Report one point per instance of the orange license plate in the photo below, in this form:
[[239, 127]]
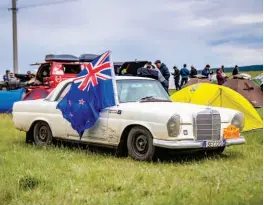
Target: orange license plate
[[231, 132]]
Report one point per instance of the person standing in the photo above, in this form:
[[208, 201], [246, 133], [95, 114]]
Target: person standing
[[176, 75], [220, 78], [161, 79], [223, 68], [6, 76], [184, 72], [148, 71], [223, 72], [165, 72], [193, 72], [206, 72], [235, 70]]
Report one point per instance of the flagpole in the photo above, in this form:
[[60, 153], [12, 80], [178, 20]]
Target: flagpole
[[114, 79]]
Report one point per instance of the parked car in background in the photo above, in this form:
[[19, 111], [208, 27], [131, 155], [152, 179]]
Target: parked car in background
[[145, 119], [55, 69], [15, 81], [128, 67]]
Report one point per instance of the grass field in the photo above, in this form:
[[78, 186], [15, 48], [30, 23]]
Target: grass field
[[252, 73], [64, 175]]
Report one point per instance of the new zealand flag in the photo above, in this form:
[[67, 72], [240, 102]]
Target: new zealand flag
[[91, 91]]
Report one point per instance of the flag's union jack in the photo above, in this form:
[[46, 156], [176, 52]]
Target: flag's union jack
[[94, 71]]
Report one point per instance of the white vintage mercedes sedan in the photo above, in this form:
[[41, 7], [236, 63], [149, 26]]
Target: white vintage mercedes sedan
[[145, 119]]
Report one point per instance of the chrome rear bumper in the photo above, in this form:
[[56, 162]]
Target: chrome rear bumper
[[192, 144]]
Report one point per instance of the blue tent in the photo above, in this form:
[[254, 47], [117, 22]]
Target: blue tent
[[8, 98]]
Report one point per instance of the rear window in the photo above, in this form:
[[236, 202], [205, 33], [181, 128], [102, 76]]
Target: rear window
[[71, 69]]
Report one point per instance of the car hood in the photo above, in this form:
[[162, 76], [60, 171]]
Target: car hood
[[160, 111]]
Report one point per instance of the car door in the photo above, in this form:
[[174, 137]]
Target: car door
[[58, 123], [96, 134], [55, 118]]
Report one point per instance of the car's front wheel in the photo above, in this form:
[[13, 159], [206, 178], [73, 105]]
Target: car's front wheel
[[140, 144], [42, 134]]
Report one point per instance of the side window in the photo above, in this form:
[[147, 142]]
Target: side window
[[44, 71], [72, 69], [123, 92], [64, 92]]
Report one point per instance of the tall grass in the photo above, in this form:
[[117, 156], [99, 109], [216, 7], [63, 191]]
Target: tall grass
[[64, 175]]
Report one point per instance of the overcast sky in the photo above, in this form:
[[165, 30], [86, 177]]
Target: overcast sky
[[195, 32]]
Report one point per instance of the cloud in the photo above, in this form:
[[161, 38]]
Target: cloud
[[247, 19], [245, 55], [176, 32]]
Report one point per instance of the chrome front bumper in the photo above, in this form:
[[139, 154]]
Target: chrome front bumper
[[192, 144]]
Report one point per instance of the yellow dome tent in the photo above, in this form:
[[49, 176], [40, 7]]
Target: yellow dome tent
[[220, 96]]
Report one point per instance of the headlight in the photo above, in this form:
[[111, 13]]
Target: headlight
[[173, 125], [238, 121]]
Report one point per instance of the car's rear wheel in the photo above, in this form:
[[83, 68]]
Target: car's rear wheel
[[42, 134], [140, 144]]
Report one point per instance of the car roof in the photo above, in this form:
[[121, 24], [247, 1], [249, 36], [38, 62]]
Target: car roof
[[55, 92], [116, 77]]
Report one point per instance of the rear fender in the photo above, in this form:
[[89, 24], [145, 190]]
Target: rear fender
[[33, 122]]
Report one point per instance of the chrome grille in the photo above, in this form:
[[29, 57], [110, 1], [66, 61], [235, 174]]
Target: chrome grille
[[208, 125]]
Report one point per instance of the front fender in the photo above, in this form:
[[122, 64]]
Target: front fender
[[158, 130]]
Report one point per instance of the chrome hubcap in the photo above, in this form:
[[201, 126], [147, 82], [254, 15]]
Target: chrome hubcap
[[141, 144], [43, 133]]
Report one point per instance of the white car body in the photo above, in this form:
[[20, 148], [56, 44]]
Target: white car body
[[115, 121]]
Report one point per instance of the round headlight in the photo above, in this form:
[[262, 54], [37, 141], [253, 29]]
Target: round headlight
[[238, 121], [173, 125]]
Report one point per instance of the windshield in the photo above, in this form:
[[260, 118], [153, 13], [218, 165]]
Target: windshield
[[134, 90]]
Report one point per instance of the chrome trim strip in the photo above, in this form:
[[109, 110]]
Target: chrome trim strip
[[186, 123], [237, 141], [192, 144]]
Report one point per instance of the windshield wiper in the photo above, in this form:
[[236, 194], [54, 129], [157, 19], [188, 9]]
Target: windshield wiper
[[153, 99], [146, 98]]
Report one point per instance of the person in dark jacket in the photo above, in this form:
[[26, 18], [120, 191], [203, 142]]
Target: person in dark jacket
[[148, 71], [184, 72], [235, 70], [223, 68], [176, 76], [206, 72], [193, 72], [165, 72], [6, 76]]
